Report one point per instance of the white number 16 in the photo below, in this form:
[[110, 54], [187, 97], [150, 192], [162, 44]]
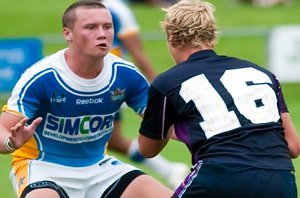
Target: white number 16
[[217, 117]]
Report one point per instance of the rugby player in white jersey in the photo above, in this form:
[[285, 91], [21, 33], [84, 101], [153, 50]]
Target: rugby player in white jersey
[[60, 115]]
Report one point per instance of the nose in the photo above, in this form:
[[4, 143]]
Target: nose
[[101, 33]]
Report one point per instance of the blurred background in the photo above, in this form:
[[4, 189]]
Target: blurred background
[[264, 32]]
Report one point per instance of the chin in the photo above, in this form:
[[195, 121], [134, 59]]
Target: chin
[[101, 53]]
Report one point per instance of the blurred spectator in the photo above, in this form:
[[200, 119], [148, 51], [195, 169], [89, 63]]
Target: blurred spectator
[[154, 2], [266, 3]]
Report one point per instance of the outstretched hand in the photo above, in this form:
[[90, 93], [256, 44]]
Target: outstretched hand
[[20, 133]]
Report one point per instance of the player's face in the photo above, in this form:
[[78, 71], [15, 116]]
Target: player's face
[[92, 33]]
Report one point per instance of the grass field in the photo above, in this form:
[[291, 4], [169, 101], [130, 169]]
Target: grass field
[[35, 18]]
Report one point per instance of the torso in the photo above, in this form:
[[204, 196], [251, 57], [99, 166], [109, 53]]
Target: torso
[[220, 106], [77, 113]]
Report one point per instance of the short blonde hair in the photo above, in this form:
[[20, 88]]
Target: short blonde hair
[[190, 23]]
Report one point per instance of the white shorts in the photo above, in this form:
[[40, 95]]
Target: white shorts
[[79, 182]]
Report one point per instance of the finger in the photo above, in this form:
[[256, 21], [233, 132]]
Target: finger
[[14, 134], [35, 123], [19, 125], [13, 131], [23, 121]]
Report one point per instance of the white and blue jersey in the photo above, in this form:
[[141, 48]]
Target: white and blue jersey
[[77, 113]]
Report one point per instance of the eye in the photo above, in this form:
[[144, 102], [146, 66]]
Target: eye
[[107, 26], [90, 27]]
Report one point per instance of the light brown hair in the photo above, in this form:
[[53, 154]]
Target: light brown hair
[[190, 23]]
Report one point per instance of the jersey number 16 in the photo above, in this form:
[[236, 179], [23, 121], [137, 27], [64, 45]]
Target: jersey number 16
[[217, 117]]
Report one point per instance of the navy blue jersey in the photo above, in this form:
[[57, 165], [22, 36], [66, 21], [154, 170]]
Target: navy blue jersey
[[224, 109]]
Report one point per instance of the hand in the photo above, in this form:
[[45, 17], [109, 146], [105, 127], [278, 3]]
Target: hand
[[20, 133]]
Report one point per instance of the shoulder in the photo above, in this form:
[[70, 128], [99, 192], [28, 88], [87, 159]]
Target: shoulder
[[51, 62], [170, 79], [120, 64], [112, 59], [247, 63], [46, 68]]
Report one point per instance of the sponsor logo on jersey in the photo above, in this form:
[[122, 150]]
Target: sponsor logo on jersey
[[117, 95], [104, 161], [58, 98], [89, 101], [77, 129]]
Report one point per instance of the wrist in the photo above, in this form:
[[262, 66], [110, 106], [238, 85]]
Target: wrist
[[8, 145]]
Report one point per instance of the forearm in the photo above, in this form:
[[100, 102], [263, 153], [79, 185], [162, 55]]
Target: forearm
[[7, 120], [5, 144], [119, 144], [291, 135], [150, 147]]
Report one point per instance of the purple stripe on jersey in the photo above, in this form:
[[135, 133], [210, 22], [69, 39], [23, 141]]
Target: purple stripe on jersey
[[181, 131], [281, 103], [188, 180]]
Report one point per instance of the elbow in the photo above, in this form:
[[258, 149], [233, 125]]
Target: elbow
[[294, 152], [294, 155], [294, 149], [147, 154], [148, 148]]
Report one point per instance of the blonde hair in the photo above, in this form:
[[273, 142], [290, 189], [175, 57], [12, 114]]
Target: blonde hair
[[190, 23]]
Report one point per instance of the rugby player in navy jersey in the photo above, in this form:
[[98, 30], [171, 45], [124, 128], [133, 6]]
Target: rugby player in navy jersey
[[229, 112]]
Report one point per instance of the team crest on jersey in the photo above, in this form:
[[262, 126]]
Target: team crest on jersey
[[117, 95], [58, 98]]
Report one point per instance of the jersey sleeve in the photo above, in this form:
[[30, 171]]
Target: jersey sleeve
[[281, 102], [25, 96], [137, 93], [158, 117]]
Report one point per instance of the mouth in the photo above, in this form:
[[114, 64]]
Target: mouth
[[102, 45]]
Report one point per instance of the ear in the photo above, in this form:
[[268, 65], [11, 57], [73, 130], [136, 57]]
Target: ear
[[67, 34]]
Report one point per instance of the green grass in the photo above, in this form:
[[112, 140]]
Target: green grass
[[42, 19]]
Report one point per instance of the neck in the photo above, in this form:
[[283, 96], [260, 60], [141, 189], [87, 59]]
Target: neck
[[187, 52], [190, 51], [84, 66]]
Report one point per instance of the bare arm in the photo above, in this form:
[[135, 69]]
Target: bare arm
[[133, 45], [291, 135], [151, 147], [13, 129], [118, 141]]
